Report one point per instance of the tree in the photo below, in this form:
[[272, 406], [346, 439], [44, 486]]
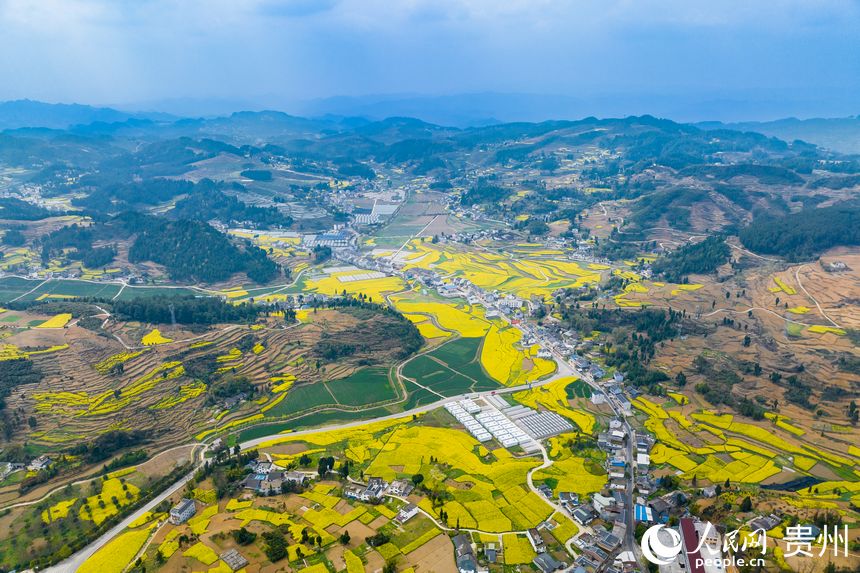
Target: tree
[[681, 379], [276, 545], [746, 504], [243, 537], [728, 484], [325, 465], [418, 478], [14, 238], [379, 538], [344, 538]]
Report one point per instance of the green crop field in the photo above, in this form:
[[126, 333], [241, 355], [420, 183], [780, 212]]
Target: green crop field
[[313, 420], [301, 398], [141, 291], [367, 386], [578, 389], [13, 287], [417, 396], [454, 368], [72, 288]]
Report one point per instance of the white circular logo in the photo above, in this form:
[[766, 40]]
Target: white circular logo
[[655, 550]]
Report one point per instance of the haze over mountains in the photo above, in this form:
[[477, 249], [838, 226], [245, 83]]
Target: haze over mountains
[[465, 110]]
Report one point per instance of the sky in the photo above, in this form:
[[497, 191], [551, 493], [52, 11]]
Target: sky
[[783, 55]]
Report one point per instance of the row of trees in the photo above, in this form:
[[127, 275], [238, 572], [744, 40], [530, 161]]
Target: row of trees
[[184, 310]]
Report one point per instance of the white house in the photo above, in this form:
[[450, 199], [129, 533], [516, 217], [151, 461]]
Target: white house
[[182, 511], [406, 513]]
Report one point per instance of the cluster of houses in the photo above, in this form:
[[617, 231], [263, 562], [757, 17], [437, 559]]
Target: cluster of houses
[[377, 488], [37, 464], [598, 551], [268, 479]]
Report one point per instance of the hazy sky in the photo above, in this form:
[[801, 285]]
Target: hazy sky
[[138, 51]]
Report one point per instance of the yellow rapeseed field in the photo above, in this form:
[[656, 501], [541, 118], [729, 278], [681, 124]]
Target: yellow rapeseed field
[[499, 358], [525, 275], [117, 554], [373, 288], [468, 321], [154, 338], [783, 287], [59, 510], [353, 562], [58, 321], [108, 363], [569, 470], [102, 504], [183, 393], [493, 495], [517, 549], [819, 329], [201, 553]]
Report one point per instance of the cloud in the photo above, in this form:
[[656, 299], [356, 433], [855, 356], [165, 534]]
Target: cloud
[[295, 8], [114, 51]]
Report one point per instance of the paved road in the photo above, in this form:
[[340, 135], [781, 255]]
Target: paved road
[[564, 369], [72, 563], [92, 478], [629, 541]]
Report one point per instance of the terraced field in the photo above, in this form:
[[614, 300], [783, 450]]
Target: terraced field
[[712, 447], [104, 385]]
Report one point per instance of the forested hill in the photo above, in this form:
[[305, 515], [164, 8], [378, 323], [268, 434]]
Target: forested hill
[[191, 251], [194, 251], [804, 235], [261, 169], [698, 258]]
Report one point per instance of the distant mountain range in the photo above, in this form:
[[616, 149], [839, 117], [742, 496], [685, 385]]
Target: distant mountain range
[[28, 113], [467, 110], [839, 134]]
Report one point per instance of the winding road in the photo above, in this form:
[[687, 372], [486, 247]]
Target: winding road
[[72, 563]]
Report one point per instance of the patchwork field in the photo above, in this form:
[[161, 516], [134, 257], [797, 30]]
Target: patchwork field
[[527, 273], [486, 490], [715, 447]]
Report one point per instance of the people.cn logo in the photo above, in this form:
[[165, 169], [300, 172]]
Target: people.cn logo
[[654, 548]]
